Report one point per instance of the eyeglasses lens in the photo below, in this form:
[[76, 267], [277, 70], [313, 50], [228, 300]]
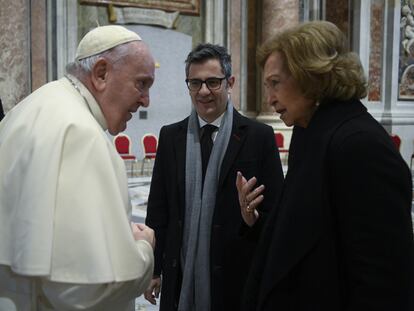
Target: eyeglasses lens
[[211, 83]]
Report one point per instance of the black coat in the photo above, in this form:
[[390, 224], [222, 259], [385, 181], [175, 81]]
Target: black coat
[[341, 238], [251, 150]]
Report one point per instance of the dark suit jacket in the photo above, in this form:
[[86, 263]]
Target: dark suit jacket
[[251, 150], [342, 238]]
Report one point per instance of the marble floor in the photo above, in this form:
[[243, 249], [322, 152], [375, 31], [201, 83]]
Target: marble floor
[[138, 191], [138, 188], [142, 305]]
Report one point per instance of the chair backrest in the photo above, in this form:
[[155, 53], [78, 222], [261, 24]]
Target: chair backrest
[[397, 141], [280, 140], [122, 144], [149, 144]]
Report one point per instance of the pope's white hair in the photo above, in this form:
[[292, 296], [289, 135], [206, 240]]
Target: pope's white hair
[[86, 65]]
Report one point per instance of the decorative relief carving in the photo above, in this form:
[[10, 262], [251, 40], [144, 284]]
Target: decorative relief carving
[[407, 25], [406, 66], [145, 16], [407, 82], [190, 7]]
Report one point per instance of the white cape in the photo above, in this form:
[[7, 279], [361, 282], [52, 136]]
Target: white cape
[[63, 192]]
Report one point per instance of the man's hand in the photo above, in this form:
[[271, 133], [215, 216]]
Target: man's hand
[[143, 232], [153, 290], [249, 199]]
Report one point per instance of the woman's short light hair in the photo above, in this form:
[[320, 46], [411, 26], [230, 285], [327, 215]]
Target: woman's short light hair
[[316, 56]]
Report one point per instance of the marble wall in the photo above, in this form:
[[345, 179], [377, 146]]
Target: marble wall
[[15, 68], [169, 98], [23, 51], [376, 48], [253, 17], [338, 12], [235, 50], [89, 16], [276, 15], [385, 45], [38, 47]]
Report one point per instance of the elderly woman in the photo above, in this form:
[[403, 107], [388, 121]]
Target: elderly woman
[[341, 235]]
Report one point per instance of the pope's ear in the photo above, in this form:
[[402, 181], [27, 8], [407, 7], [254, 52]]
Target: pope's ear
[[99, 74]]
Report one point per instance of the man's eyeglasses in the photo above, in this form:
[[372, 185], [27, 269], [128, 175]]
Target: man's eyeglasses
[[195, 85]]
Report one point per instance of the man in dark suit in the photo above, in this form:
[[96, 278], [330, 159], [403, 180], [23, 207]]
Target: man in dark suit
[[204, 240]]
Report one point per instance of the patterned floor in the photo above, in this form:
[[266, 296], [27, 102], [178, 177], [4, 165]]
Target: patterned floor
[[138, 190], [142, 305]]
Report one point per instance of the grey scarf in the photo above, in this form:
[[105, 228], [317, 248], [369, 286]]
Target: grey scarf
[[199, 209]]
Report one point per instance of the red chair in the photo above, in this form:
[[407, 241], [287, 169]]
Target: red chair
[[397, 141], [149, 145], [280, 143], [123, 145]]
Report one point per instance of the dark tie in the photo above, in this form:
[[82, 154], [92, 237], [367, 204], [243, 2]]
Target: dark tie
[[206, 143]]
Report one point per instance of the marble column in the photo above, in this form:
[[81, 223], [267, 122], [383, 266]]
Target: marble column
[[339, 13], [14, 52], [23, 60], [376, 50], [277, 15], [236, 49], [253, 24], [215, 22], [38, 34]]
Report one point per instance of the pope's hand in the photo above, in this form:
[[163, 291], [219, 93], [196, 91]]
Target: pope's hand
[[153, 290], [249, 198], [143, 232]]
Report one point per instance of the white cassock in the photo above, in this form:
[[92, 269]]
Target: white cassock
[[65, 238]]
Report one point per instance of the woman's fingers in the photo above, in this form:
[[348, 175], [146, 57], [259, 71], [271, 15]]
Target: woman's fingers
[[249, 197], [240, 181], [253, 204], [255, 193]]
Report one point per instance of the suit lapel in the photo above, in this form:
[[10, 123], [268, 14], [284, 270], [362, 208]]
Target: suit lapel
[[237, 138]]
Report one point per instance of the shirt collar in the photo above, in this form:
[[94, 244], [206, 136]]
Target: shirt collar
[[93, 105], [216, 122]]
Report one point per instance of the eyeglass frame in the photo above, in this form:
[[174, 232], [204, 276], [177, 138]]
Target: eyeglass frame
[[205, 82]]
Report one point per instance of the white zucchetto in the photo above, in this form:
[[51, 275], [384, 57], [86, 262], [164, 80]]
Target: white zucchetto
[[104, 38]]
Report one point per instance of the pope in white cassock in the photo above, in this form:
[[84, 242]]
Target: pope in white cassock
[[66, 242]]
